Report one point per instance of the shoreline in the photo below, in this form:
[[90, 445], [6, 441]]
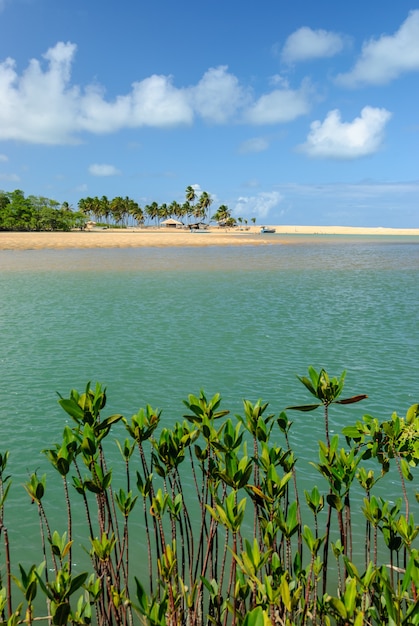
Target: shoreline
[[163, 237]]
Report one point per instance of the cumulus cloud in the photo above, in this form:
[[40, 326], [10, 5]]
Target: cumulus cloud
[[256, 144], [257, 206], [41, 105], [386, 58], [279, 106], [335, 139], [218, 95], [103, 169], [38, 106], [305, 44]]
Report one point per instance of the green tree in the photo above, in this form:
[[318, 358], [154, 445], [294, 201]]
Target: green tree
[[136, 212], [152, 211], [222, 214], [204, 204], [190, 194]]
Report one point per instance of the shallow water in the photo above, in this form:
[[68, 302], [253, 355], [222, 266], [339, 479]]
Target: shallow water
[[156, 324]]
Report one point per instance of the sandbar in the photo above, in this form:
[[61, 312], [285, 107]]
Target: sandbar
[[165, 237]]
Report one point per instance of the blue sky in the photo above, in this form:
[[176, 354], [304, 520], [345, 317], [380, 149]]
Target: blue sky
[[293, 112]]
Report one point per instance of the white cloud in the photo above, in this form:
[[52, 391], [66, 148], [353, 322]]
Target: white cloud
[[156, 102], [335, 139], [218, 95], [257, 144], [42, 106], [103, 169], [279, 106], [3, 158], [38, 107], [257, 206], [305, 44], [384, 59]]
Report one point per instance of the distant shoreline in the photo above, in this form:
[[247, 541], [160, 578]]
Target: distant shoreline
[[165, 237]]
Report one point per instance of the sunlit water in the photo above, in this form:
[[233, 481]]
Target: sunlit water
[[154, 325]]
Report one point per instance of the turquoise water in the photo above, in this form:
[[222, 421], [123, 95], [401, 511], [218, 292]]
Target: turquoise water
[[154, 325]]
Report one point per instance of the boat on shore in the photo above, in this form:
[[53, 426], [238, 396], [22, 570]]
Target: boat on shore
[[266, 229]]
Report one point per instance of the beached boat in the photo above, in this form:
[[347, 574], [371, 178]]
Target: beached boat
[[267, 229]]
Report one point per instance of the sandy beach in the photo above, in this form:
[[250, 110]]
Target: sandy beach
[[151, 237]]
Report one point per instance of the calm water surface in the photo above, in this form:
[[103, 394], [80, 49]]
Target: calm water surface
[[154, 325]]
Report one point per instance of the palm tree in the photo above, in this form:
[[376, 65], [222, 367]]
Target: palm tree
[[105, 208], [190, 194], [152, 211], [97, 208], [176, 210], [222, 215], [164, 211], [86, 206], [117, 209], [205, 202], [136, 212], [187, 210]]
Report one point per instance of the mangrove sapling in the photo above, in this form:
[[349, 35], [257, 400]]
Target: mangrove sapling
[[396, 439], [5, 484], [141, 429], [327, 390], [257, 426], [35, 489], [27, 582], [367, 481], [91, 430], [126, 502], [265, 577], [61, 458], [284, 425], [203, 413]]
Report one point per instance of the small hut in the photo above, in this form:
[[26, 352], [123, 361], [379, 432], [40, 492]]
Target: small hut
[[171, 223]]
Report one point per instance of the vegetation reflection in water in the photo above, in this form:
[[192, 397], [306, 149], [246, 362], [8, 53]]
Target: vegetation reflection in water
[[217, 569]]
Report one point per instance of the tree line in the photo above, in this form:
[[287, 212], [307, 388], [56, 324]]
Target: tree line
[[37, 213]]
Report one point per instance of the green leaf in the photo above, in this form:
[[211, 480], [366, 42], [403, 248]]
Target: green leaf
[[77, 582], [285, 593], [404, 466], [141, 597], [60, 614], [339, 607], [72, 408], [303, 407], [63, 466], [334, 501], [113, 419], [350, 596], [412, 413], [256, 617]]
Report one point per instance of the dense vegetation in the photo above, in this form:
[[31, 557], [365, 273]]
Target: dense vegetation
[[247, 548], [33, 213]]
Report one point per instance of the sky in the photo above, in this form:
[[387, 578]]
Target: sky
[[292, 112]]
